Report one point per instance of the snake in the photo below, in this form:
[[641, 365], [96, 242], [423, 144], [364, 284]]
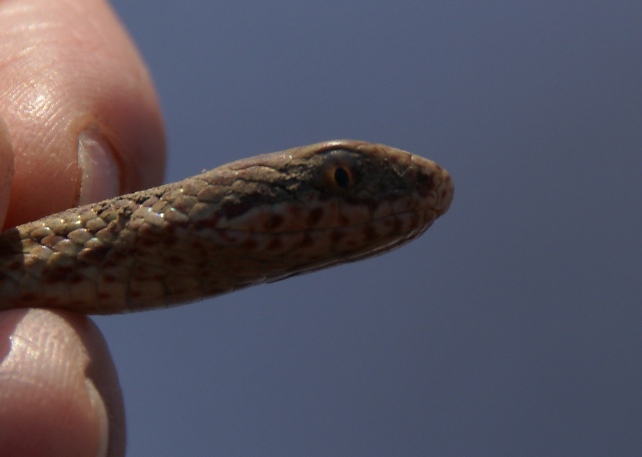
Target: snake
[[253, 221]]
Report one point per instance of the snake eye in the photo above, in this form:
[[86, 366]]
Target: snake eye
[[341, 177], [340, 170]]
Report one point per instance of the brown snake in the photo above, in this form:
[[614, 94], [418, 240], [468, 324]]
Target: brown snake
[[248, 222]]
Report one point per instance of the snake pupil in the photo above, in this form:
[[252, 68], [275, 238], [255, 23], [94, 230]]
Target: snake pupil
[[341, 177]]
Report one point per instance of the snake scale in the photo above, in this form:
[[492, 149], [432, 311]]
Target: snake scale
[[252, 221]]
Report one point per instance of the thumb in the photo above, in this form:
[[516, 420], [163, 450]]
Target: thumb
[[79, 106]]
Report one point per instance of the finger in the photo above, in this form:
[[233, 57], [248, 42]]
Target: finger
[[79, 106], [59, 392]]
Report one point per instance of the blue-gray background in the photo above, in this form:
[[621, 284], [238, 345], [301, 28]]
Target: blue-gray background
[[513, 327]]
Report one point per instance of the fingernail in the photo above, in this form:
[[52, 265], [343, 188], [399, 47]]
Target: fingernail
[[103, 422], [99, 168], [6, 169]]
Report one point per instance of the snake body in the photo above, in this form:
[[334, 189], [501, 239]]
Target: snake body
[[251, 221]]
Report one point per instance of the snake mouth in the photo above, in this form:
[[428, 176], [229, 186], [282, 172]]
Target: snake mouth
[[433, 184], [445, 192]]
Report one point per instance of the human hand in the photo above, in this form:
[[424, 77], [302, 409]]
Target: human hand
[[81, 124]]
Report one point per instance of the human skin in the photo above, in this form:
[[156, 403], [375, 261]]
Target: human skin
[[80, 122]]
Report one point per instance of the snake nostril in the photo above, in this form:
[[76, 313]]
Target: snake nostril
[[425, 180]]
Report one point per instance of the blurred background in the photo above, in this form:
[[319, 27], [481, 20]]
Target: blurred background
[[513, 327]]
